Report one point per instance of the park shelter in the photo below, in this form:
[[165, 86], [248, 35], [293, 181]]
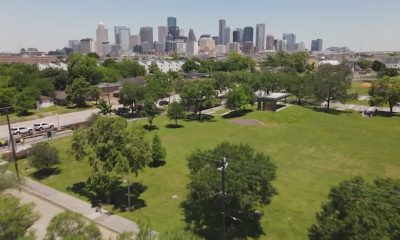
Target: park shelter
[[270, 101]]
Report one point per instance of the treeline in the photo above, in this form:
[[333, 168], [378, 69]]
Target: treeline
[[22, 84]]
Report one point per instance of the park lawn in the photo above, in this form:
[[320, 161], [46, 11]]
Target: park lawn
[[361, 88], [313, 151]]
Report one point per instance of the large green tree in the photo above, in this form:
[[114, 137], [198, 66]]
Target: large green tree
[[113, 150], [69, 225], [190, 66], [331, 83], [385, 90], [199, 95], [151, 111], [359, 210], [158, 152], [15, 218], [248, 185], [78, 92], [81, 66]]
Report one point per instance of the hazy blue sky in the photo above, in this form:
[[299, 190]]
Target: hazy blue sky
[[48, 24]]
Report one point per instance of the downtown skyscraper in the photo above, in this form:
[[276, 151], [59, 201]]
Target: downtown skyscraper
[[248, 34], [122, 38], [102, 44], [316, 45], [260, 37], [222, 25]]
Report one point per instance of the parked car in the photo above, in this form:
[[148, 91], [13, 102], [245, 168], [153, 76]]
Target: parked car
[[42, 126], [21, 130]]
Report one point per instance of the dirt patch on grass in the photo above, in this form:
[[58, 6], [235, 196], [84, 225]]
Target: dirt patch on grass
[[247, 122], [366, 85]]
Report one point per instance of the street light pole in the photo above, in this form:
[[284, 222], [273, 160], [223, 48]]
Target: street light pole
[[12, 143], [129, 194], [223, 193]]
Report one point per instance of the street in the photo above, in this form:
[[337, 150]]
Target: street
[[62, 120]]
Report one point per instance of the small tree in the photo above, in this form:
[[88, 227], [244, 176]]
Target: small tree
[[104, 107], [78, 91], [385, 90], [69, 225], [151, 111], [239, 97], [331, 83], [43, 156], [95, 93], [158, 152], [176, 111], [15, 218]]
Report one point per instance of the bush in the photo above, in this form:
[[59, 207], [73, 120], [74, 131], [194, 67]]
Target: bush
[[43, 156]]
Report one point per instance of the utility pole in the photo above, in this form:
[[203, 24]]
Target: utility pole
[[223, 193], [12, 143]]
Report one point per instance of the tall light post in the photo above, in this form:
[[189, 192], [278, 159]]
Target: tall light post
[[223, 193], [12, 142], [129, 194]]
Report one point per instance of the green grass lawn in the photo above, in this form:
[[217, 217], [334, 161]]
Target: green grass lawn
[[361, 88], [313, 151]]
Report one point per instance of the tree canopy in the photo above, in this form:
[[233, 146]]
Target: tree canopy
[[69, 225], [359, 210], [15, 218], [249, 177], [385, 90]]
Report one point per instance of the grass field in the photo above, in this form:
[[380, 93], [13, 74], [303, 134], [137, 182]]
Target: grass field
[[313, 151]]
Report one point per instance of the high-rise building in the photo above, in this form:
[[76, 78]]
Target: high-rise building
[[146, 35], [270, 42], [135, 40], [236, 36], [181, 32], [222, 25], [171, 22], [191, 36], [220, 49], [180, 46], [122, 35], [290, 38], [281, 45], [248, 48], [216, 40], [316, 45], [87, 45], [226, 36], [162, 33], [74, 45], [206, 45], [174, 31], [260, 37], [192, 48], [248, 34], [101, 38]]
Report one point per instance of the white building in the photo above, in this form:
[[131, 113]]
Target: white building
[[221, 49], [59, 65], [233, 47], [180, 47], [206, 45], [163, 65]]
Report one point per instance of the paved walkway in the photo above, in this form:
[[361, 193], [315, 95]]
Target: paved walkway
[[359, 108], [114, 223], [47, 211]]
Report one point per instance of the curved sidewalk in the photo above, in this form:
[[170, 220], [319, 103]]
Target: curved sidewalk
[[114, 223]]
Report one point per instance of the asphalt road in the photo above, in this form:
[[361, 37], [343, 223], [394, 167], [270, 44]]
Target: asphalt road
[[62, 119]]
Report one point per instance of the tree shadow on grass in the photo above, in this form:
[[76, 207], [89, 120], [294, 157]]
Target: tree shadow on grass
[[205, 220], [234, 114], [203, 118], [330, 111], [45, 173], [118, 198], [386, 114], [156, 164], [174, 126], [150, 128]]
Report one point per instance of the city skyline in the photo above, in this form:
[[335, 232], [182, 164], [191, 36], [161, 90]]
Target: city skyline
[[48, 28]]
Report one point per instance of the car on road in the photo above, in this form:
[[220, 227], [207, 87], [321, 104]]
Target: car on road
[[42, 126], [21, 130]]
